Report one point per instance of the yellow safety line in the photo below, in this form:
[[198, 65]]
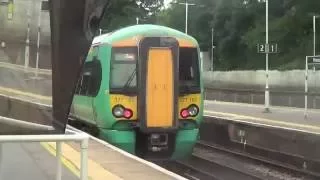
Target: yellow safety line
[[71, 159], [22, 68], [10, 90], [238, 116], [71, 166]]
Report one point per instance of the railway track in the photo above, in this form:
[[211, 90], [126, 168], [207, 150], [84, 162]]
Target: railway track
[[251, 166], [286, 165], [202, 165], [214, 162], [187, 170]]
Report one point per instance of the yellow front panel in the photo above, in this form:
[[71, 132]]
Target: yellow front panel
[[160, 92], [185, 101], [126, 101]]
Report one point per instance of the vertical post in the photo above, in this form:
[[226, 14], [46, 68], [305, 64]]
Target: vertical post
[[137, 19], [205, 95], [187, 7], [314, 39], [306, 89], [251, 95], [27, 50], [212, 49], [38, 43], [58, 157], [267, 60], [100, 31], [314, 35], [84, 159]]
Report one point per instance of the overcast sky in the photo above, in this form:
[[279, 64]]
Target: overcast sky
[[166, 2]]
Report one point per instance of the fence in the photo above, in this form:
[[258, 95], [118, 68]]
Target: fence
[[277, 98]]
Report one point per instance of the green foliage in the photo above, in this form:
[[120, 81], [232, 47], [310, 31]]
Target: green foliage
[[239, 25], [121, 13]]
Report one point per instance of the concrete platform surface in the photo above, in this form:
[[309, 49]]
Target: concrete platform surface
[[29, 161], [279, 117]]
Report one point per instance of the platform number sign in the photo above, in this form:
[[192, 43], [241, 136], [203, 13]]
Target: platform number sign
[[267, 48], [316, 60]]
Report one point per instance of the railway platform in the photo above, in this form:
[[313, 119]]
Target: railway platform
[[38, 161], [29, 161], [283, 135], [287, 118]]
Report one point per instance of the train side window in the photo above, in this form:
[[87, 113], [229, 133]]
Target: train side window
[[85, 83], [90, 81], [78, 86]]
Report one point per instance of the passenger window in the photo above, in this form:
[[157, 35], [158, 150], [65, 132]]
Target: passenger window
[[90, 80]]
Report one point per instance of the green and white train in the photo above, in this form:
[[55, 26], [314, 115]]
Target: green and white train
[[141, 89]]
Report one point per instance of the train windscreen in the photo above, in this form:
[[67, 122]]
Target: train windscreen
[[189, 76], [123, 69]]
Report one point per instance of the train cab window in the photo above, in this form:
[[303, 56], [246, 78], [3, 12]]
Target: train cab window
[[90, 80], [189, 69], [123, 69]]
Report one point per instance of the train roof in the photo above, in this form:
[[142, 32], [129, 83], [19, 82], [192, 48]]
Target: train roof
[[142, 30]]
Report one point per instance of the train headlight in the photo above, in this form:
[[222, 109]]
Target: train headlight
[[184, 113], [127, 113], [193, 110], [118, 111]]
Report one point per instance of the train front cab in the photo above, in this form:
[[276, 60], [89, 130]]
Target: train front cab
[[156, 88]]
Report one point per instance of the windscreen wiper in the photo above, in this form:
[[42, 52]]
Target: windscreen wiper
[[130, 79]]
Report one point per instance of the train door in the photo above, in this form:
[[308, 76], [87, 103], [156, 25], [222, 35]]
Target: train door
[[89, 85], [158, 64]]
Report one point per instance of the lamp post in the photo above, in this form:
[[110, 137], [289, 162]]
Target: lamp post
[[38, 43], [267, 98], [27, 49], [314, 52], [314, 34], [314, 38], [187, 8], [212, 47]]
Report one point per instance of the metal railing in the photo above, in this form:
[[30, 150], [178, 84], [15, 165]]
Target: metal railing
[[70, 135], [256, 96]]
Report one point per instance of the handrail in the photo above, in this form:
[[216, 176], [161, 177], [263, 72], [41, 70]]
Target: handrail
[[70, 135]]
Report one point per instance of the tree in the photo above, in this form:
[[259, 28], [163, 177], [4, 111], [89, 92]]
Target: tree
[[239, 25], [121, 13]]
